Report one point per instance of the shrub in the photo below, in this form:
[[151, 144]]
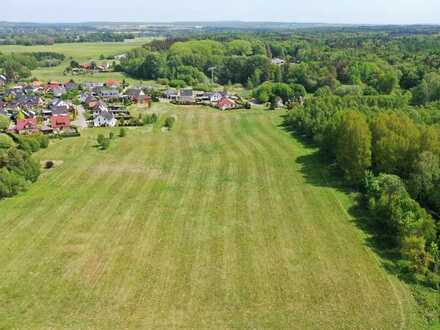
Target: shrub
[[100, 139], [122, 132], [105, 144], [34, 144], [49, 164], [5, 141], [177, 83], [150, 119], [44, 141], [11, 183], [169, 122], [433, 280], [163, 81], [4, 123], [111, 135]]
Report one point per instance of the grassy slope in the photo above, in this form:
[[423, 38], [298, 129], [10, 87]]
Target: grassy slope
[[216, 223], [81, 52]]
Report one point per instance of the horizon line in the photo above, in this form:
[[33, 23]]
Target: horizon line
[[218, 21]]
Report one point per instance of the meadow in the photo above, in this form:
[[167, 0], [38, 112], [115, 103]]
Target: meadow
[[226, 221], [82, 53]]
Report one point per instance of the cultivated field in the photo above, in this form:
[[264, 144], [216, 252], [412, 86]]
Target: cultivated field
[[81, 52], [224, 222]]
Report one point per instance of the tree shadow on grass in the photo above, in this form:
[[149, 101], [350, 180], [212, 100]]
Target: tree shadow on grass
[[319, 171]]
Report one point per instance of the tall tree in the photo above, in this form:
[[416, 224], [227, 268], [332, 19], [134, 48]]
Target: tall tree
[[353, 151]]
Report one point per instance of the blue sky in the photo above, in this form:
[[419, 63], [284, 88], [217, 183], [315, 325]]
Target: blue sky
[[325, 11]]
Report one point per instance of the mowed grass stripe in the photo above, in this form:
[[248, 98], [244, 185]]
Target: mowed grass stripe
[[144, 307], [169, 228], [245, 292], [265, 224]]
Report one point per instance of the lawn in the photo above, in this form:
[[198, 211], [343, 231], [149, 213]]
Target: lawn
[[81, 52], [223, 222]]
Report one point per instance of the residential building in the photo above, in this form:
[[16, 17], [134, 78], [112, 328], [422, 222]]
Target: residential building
[[60, 119], [226, 104], [104, 119]]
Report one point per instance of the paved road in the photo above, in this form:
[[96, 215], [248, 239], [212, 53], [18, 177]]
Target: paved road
[[81, 119]]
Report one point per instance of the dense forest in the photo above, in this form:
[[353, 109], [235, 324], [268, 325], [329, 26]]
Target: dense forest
[[336, 63]]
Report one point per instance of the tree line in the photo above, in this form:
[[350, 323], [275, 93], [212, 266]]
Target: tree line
[[391, 154], [17, 167], [18, 66]]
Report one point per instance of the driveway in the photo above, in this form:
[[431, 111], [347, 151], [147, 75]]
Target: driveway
[[81, 118]]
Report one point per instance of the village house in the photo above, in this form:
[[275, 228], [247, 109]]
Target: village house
[[104, 119], [209, 97], [91, 102], [137, 95], [16, 91], [226, 104], [89, 86], [171, 94], [58, 91], [60, 119], [51, 85], [70, 86], [112, 84], [99, 106], [109, 93], [186, 96], [26, 102], [59, 103], [86, 66], [27, 124]]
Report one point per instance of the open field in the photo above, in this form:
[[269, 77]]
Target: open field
[[224, 222], [81, 52]]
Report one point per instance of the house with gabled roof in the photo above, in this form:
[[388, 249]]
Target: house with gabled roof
[[26, 122], [70, 86], [226, 104], [137, 95], [104, 119], [112, 83], [109, 93], [60, 119]]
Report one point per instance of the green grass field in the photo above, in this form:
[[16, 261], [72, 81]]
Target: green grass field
[[81, 52], [224, 222]]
